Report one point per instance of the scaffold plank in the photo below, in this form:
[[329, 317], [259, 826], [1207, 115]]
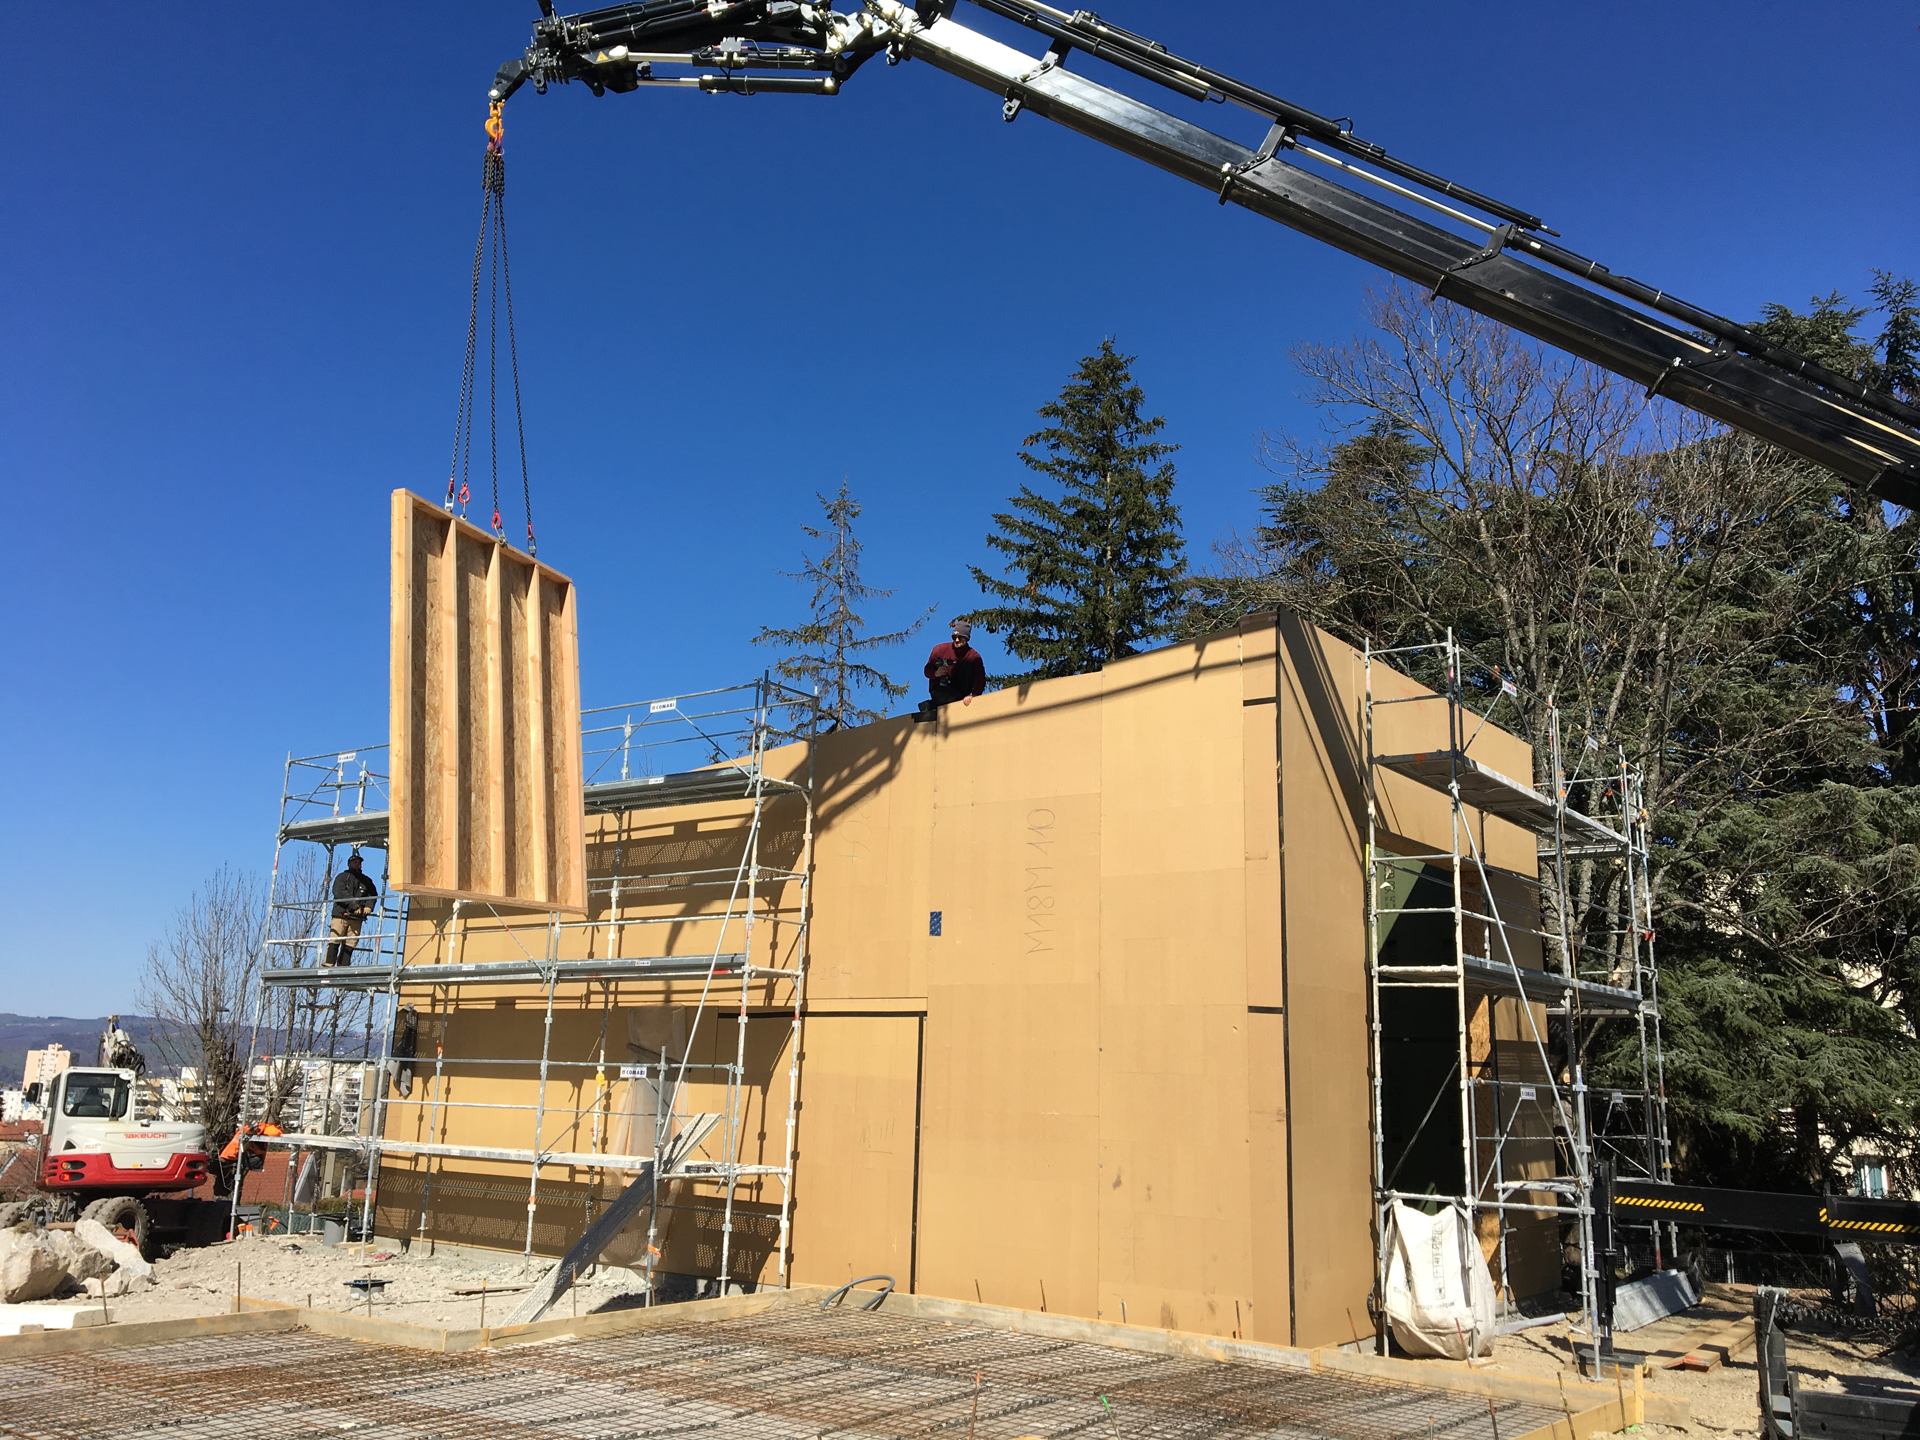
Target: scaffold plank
[[735, 781], [638, 967], [1492, 793], [487, 790]]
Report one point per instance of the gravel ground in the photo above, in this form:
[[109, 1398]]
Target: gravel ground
[[1725, 1401], [300, 1270]]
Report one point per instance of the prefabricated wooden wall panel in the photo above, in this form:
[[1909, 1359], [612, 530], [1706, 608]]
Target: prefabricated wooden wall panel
[[485, 715]]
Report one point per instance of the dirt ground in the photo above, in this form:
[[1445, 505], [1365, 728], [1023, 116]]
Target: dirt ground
[[1725, 1400], [419, 1287]]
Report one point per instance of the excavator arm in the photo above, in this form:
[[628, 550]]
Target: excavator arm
[[1308, 172]]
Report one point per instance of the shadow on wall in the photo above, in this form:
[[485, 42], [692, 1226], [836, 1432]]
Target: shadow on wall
[[849, 765]]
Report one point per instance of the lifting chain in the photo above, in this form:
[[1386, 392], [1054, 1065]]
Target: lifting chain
[[490, 246]]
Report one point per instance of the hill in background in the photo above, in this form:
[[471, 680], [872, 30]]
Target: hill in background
[[21, 1033]]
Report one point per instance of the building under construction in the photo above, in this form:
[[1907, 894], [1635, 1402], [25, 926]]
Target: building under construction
[[1137, 995]]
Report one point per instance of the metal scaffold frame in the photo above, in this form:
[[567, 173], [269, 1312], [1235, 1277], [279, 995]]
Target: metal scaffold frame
[[709, 749], [1563, 956]]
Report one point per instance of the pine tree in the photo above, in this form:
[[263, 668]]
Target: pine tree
[[1898, 371], [1094, 566], [824, 653]]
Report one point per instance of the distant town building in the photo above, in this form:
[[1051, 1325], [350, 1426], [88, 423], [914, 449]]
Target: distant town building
[[13, 1105], [317, 1096], [159, 1097], [44, 1065]]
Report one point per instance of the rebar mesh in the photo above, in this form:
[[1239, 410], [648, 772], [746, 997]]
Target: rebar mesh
[[790, 1374]]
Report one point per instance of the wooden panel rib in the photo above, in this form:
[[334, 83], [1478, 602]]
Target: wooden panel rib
[[449, 813], [574, 838], [480, 815], [539, 842], [402, 832], [521, 777], [429, 700], [567, 863], [500, 833]]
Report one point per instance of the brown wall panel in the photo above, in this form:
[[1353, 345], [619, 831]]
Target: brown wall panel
[[855, 1173], [484, 714], [1328, 1099]]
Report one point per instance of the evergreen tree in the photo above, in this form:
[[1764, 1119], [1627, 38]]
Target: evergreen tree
[[1898, 371], [1094, 566], [824, 653]]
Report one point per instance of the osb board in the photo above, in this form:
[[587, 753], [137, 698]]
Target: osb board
[[1085, 1145], [1260, 810], [873, 863], [859, 1123], [1329, 1110], [1175, 1179], [484, 717], [1269, 1199]]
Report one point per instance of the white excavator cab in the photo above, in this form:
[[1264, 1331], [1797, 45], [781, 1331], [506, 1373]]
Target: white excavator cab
[[95, 1146]]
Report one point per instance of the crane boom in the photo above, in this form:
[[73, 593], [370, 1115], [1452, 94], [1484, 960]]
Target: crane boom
[[1479, 252]]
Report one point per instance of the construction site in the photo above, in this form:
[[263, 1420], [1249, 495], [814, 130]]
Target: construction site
[[1254, 1034]]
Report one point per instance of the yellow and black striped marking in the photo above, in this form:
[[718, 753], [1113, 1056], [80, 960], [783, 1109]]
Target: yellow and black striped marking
[[1868, 1227], [1647, 1202]]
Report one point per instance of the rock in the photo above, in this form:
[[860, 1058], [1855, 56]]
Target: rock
[[82, 1261], [32, 1271], [94, 1236]]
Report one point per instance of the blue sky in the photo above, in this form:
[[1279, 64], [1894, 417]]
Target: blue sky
[[236, 255]]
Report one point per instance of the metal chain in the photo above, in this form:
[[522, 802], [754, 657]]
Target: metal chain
[[493, 223], [513, 359], [493, 358], [463, 402]]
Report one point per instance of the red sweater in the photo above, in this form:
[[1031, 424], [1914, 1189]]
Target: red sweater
[[967, 677]]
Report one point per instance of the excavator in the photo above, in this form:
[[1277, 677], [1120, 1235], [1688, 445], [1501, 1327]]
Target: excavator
[[1308, 171], [97, 1160]]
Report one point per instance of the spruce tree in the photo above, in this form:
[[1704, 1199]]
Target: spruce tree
[[1094, 564], [824, 652]]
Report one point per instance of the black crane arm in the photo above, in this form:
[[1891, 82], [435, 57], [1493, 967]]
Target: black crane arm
[[1502, 261]]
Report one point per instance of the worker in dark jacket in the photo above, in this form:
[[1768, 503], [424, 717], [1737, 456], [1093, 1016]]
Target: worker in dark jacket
[[954, 671], [353, 896]]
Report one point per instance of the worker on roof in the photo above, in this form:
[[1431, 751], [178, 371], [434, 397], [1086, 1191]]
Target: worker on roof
[[954, 671], [353, 896]]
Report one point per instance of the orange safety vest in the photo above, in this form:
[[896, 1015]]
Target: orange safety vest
[[232, 1150]]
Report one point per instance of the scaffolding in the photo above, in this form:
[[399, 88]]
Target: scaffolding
[[1493, 991], [707, 749]]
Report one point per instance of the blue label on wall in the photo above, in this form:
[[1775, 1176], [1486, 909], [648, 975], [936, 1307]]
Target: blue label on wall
[[933, 922]]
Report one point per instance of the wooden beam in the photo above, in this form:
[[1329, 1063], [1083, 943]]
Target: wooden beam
[[499, 878], [539, 844], [402, 742], [149, 1332], [450, 812]]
